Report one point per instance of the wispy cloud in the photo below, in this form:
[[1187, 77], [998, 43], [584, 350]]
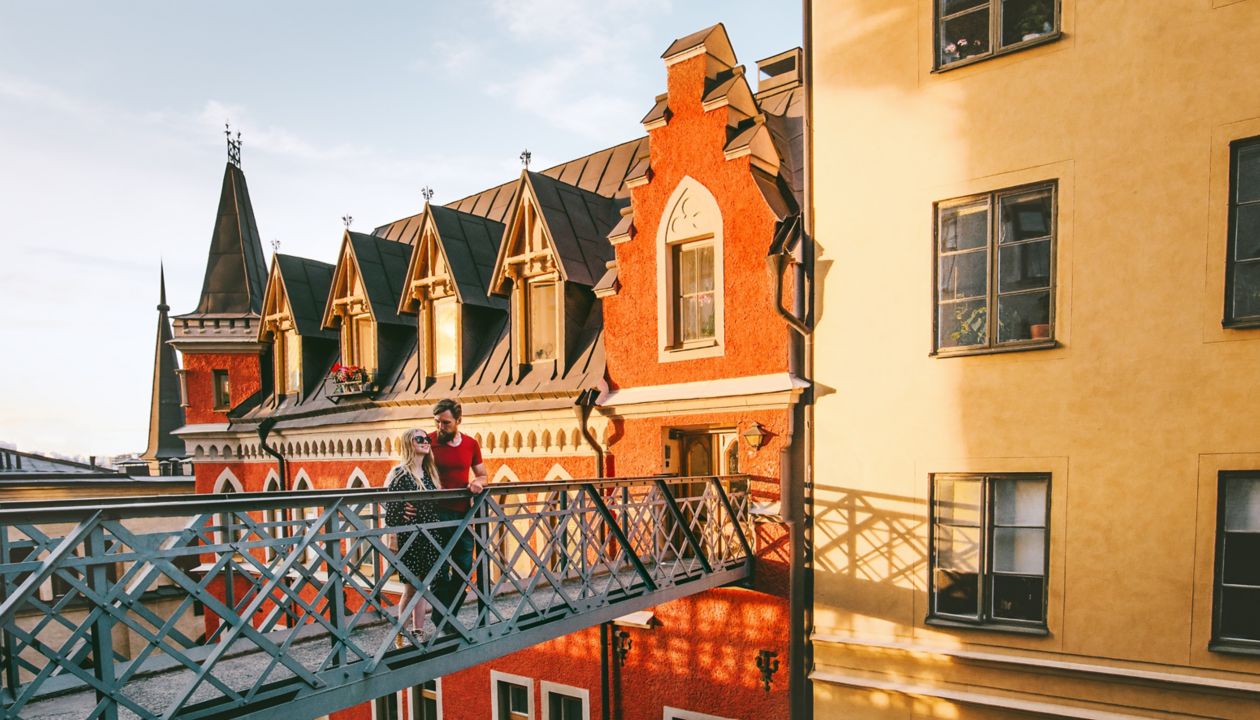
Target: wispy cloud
[[273, 139], [29, 92]]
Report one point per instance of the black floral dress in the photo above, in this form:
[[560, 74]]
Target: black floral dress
[[422, 554]]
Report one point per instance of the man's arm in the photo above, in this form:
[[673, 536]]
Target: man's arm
[[478, 483]]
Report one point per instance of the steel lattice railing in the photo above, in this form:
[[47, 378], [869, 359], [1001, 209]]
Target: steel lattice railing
[[226, 605]]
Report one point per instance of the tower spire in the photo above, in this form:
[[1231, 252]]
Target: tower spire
[[165, 412]]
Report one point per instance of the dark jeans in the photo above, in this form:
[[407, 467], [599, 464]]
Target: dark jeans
[[449, 585]]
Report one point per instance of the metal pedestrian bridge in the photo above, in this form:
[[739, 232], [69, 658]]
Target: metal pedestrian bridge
[[235, 605]]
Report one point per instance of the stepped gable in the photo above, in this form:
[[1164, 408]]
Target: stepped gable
[[236, 271], [306, 285], [166, 414]]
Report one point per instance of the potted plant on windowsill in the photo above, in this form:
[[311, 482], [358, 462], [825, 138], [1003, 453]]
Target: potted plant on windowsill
[[960, 49], [1035, 22], [349, 380]]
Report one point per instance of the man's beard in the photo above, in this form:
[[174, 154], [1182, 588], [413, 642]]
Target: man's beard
[[445, 437]]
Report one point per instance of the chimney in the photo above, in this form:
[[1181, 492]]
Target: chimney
[[779, 70], [92, 460]]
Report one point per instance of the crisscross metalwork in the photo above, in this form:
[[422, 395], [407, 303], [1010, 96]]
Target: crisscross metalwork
[[229, 605]]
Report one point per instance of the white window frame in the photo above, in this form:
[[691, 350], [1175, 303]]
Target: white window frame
[[672, 713], [547, 688], [412, 704], [495, 678], [397, 704], [692, 215]]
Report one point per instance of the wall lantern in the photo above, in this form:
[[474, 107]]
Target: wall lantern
[[756, 436], [621, 645], [768, 664]]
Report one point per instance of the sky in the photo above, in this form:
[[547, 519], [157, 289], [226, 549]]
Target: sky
[[112, 151]]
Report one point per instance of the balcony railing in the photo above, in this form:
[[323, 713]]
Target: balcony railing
[[271, 598]]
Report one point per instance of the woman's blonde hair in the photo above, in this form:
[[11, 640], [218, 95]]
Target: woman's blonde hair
[[407, 453]]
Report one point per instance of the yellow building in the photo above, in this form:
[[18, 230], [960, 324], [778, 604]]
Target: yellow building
[[1037, 346]]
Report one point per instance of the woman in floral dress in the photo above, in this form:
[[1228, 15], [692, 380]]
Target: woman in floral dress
[[417, 471]]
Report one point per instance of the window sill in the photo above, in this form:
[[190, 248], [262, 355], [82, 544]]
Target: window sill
[[1247, 324], [1008, 50], [1022, 347], [694, 345], [1038, 631], [1234, 647]]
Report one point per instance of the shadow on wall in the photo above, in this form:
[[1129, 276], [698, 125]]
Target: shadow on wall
[[873, 548]]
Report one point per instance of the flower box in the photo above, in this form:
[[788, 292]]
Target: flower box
[[348, 381]]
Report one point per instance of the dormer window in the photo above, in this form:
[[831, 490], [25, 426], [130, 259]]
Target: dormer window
[[541, 311], [286, 343], [444, 335], [350, 310], [432, 296]]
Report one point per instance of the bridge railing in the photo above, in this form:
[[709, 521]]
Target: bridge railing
[[210, 605]]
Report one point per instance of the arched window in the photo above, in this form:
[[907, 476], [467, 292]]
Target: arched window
[[358, 550], [273, 519], [689, 275], [310, 514]]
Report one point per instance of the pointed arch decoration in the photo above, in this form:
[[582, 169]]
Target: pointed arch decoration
[[358, 479], [227, 482], [557, 472], [505, 474], [272, 482], [302, 481], [546, 440]]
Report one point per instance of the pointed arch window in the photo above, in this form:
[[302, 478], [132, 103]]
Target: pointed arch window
[[351, 310], [690, 275], [432, 296]]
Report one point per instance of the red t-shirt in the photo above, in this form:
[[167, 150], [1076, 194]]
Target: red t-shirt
[[454, 465]]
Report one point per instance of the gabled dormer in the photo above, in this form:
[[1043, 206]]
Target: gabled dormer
[[555, 249], [362, 303], [446, 288], [297, 289]]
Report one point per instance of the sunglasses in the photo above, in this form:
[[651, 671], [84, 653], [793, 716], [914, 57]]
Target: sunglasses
[[422, 439]]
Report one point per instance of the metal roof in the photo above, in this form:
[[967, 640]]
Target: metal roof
[[306, 284], [236, 271], [165, 411]]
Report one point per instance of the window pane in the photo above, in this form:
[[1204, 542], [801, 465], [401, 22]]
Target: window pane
[[1019, 550], [444, 336], [293, 362], [1248, 180], [1239, 619], [1240, 563], [1246, 289], [965, 36], [687, 274], [1242, 504], [1247, 232], [542, 321], [962, 324], [965, 275], [1024, 317], [958, 548], [704, 262], [1024, 267], [519, 698], [965, 226], [1019, 502], [957, 502], [1026, 216], [1018, 598], [949, 7], [1026, 19], [957, 593]]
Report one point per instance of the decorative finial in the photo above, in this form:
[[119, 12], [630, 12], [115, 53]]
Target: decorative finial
[[233, 145], [275, 245], [427, 192], [525, 156], [347, 220]]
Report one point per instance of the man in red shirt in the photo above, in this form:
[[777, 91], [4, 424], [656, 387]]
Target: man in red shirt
[[457, 456]]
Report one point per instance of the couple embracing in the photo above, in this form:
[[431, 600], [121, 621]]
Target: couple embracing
[[444, 459]]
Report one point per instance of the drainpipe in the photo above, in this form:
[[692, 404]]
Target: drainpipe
[[585, 402], [264, 429]]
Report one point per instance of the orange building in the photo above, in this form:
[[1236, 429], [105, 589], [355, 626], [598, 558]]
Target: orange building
[[634, 312]]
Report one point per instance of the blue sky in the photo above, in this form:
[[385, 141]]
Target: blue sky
[[112, 152]]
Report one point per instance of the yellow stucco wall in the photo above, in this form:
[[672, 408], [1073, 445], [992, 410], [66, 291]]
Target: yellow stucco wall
[[1146, 398]]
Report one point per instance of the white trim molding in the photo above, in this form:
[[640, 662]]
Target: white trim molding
[[546, 688], [692, 216], [227, 477], [495, 678]]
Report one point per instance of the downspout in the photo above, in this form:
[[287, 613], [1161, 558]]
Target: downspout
[[264, 429], [803, 623], [585, 402]]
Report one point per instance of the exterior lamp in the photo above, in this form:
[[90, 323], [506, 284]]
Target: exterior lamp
[[756, 436]]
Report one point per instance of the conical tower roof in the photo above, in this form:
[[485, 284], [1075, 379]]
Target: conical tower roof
[[236, 271], [165, 413]]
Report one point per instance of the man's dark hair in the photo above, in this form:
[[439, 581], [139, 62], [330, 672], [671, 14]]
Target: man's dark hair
[[448, 404]]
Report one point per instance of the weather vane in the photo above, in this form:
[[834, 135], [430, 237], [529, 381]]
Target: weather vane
[[347, 219], [525, 156], [427, 192], [234, 145], [275, 245]]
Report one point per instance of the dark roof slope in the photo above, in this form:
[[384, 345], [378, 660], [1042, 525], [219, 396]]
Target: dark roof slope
[[470, 244], [307, 283], [579, 222], [383, 267], [236, 272]]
